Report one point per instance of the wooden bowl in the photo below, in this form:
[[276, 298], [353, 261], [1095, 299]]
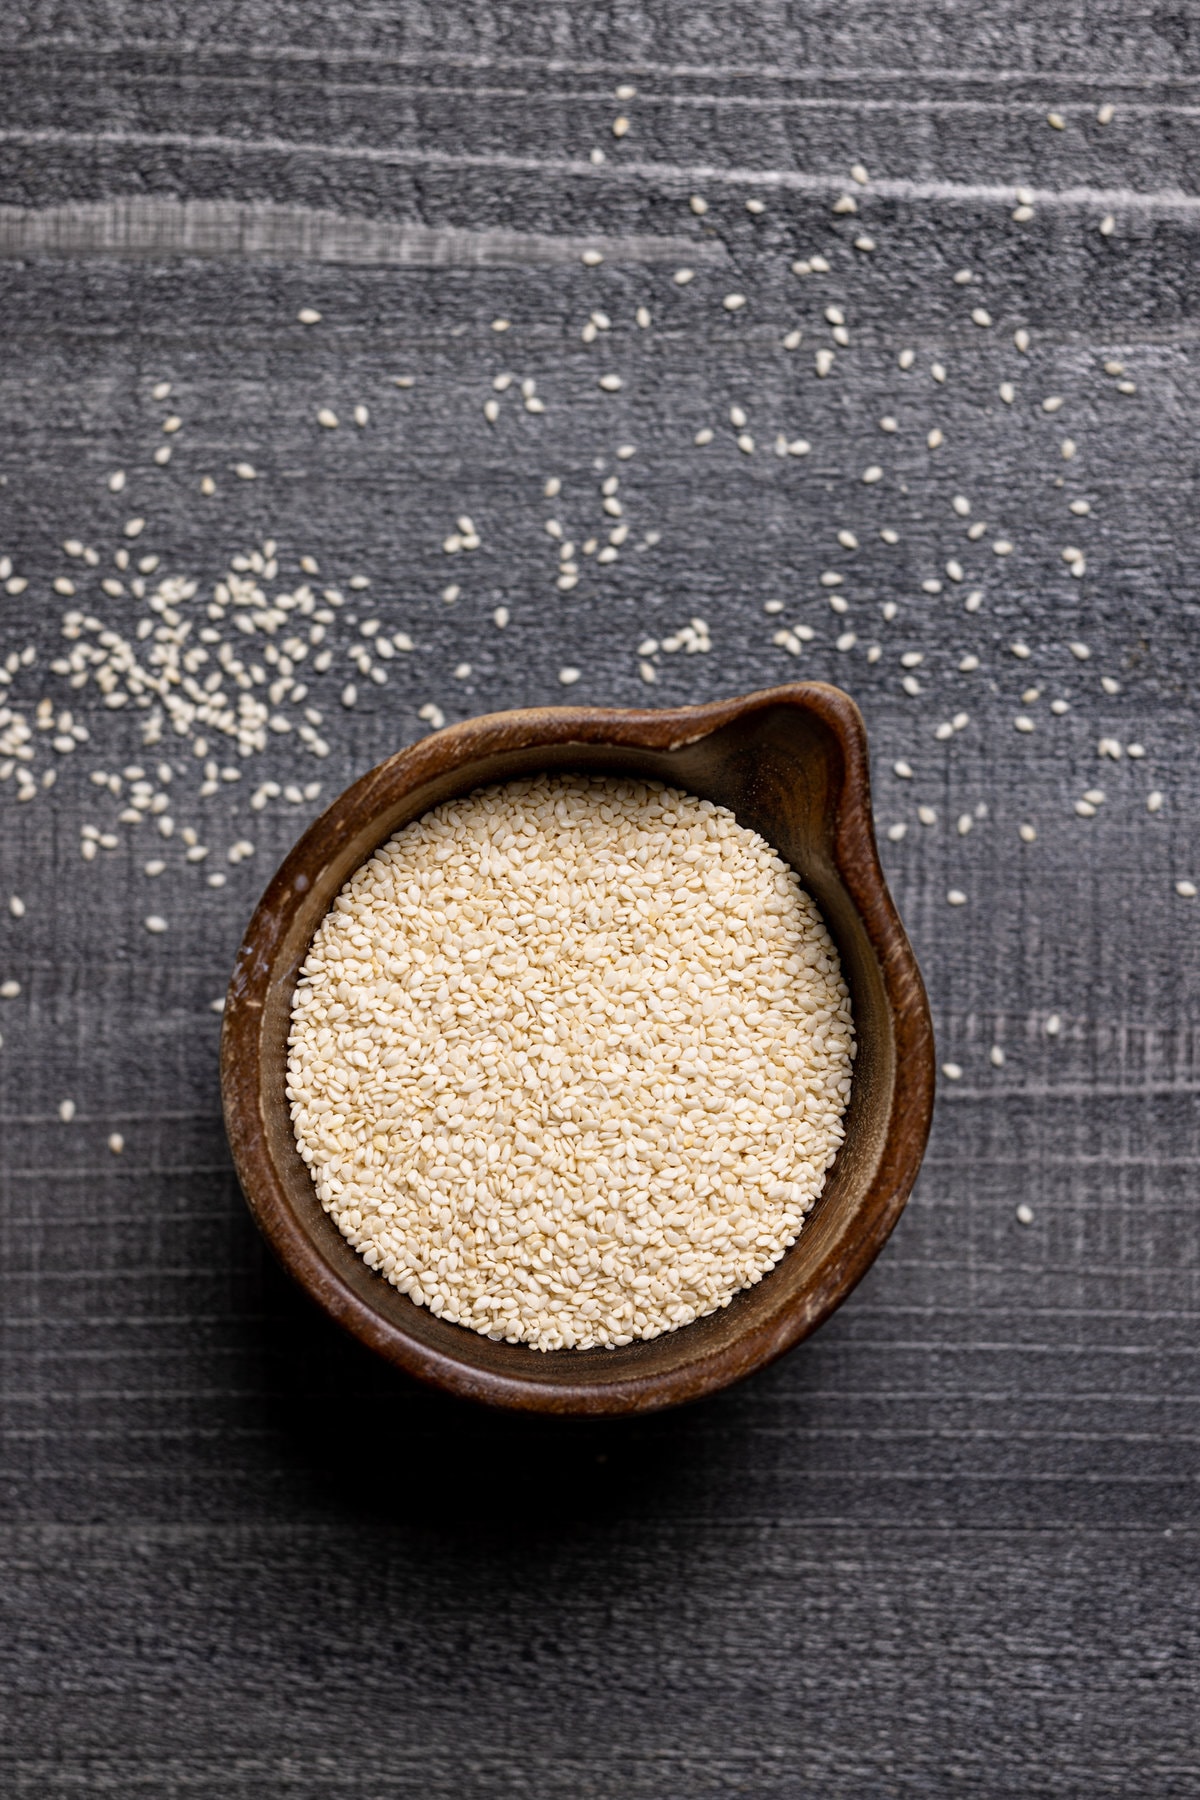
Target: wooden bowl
[[791, 763]]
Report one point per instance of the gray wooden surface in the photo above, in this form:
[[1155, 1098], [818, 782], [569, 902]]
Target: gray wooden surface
[[949, 1546]]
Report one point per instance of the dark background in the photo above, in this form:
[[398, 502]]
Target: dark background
[[947, 1547]]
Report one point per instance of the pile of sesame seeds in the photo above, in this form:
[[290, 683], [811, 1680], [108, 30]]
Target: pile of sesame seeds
[[569, 1060]]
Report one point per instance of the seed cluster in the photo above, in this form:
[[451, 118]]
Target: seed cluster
[[569, 1060]]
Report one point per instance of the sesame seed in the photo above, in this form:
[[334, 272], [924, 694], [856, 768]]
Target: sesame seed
[[996, 1056], [1027, 834], [66, 1111], [952, 1071], [520, 1211], [1056, 120], [1154, 801], [568, 676], [116, 1142], [1104, 114], [956, 897], [156, 924], [1186, 890], [1024, 1213], [733, 302], [308, 315]]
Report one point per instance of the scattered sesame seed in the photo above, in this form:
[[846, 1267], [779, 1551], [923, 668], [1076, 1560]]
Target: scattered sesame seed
[[956, 897], [1024, 1213], [116, 1142], [1104, 114], [156, 924], [308, 315], [996, 1056], [1056, 120], [66, 1111], [1027, 834], [568, 676], [952, 1071], [1186, 890]]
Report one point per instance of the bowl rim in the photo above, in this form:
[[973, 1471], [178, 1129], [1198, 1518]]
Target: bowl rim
[[856, 860]]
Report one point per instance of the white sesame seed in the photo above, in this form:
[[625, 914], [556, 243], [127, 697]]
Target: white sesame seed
[[308, 315], [620, 126], [1186, 890], [156, 924], [1027, 834], [936, 438], [1154, 801], [66, 1111], [116, 1142], [681, 277], [1079, 651], [906, 359], [1104, 114], [903, 770], [698, 205], [1008, 392], [1107, 225], [733, 302], [610, 383], [956, 897], [1024, 1213], [996, 1056], [1056, 120], [568, 676], [703, 436], [897, 831], [952, 1071], [394, 1210], [871, 474], [980, 316]]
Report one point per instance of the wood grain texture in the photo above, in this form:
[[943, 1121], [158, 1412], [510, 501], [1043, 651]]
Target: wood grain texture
[[948, 1547]]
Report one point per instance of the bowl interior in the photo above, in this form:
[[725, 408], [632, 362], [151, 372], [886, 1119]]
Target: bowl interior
[[782, 770]]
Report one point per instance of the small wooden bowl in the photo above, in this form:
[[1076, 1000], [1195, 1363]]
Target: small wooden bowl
[[791, 763]]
